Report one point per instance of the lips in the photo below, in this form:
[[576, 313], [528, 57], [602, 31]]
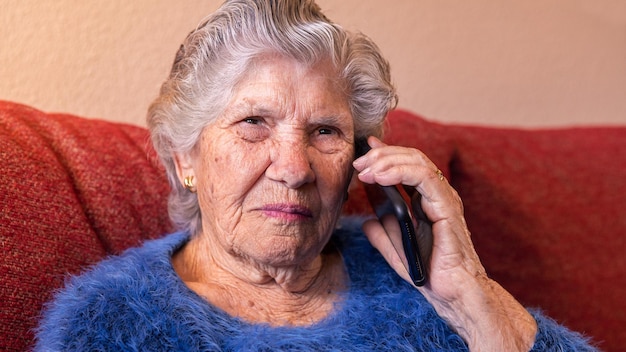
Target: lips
[[287, 211]]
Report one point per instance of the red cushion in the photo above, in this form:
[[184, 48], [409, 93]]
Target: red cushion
[[73, 191], [546, 210]]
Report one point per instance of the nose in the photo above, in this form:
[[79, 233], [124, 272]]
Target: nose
[[291, 165]]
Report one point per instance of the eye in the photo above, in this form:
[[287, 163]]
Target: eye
[[252, 120], [252, 128], [326, 131]]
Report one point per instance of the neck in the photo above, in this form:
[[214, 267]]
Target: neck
[[299, 294]]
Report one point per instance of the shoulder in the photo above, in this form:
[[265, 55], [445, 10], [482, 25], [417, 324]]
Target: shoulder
[[152, 256], [552, 336], [115, 287]]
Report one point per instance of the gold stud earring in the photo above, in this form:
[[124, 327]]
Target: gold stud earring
[[188, 183]]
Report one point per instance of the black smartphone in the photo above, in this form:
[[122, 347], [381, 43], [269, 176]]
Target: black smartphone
[[396, 217]]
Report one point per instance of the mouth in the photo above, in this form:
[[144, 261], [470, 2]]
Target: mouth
[[288, 212]]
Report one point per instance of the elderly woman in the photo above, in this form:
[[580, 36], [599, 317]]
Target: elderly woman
[[256, 127]]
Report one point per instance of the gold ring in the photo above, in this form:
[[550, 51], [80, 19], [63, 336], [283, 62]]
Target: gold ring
[[440, 174]]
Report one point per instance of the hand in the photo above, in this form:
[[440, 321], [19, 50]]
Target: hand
[[390, 165], [480, 310]]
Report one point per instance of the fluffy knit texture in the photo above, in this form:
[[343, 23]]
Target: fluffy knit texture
[[136, 302]]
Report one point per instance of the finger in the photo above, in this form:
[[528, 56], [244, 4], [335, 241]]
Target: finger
[[389, 165], [375, 142], [361, 162], [409, 167]]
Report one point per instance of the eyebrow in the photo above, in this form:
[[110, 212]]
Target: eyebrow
[[251, 107], [260, 108], [333, 120]]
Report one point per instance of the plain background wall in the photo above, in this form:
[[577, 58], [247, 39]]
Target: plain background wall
[[515, 63]]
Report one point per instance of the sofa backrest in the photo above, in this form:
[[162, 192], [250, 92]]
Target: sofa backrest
[[72, 191], [545, 208]]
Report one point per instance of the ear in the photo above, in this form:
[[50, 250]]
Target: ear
[[184, 166]]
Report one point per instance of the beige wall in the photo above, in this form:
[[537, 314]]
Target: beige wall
[[530, 63]]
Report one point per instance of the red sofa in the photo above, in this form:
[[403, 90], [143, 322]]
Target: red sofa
[[547, 209]]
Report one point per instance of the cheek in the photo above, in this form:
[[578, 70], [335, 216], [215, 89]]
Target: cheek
[[334, 179], [231, 162], [227, 170]]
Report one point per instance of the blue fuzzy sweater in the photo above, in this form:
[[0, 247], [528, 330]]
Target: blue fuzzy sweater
[[136, 302]]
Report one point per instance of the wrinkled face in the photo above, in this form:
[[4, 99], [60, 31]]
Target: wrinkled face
[[273, 170]]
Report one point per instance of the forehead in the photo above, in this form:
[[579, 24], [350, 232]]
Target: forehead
[[274, 82]]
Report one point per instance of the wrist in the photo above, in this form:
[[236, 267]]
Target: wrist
[[487, 317]]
